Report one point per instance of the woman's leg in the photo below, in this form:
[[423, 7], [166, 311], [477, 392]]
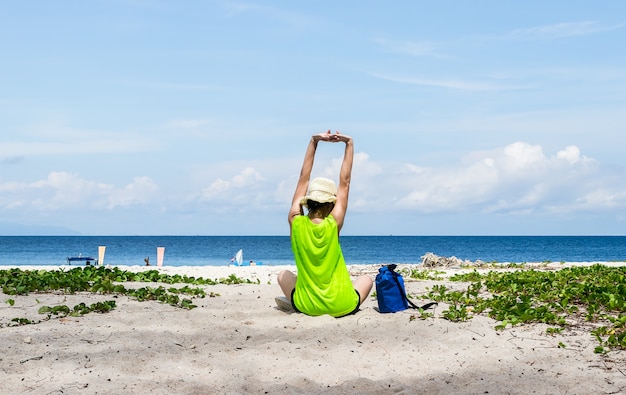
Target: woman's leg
[[287, 282], [363, 284]]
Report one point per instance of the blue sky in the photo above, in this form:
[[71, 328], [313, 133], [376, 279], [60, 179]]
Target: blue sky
[[137, 117]]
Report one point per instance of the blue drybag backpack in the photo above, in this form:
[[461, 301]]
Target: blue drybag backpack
[[390, 292]]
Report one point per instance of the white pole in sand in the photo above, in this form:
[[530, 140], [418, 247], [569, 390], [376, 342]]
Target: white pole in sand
[[101, 250], [160, 253]]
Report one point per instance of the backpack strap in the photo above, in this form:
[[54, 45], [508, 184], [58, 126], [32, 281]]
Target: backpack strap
[[413, 305]]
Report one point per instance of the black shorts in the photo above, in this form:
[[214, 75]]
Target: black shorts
[[356, 309]]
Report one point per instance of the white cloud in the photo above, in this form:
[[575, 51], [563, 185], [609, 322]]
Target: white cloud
[[517, 178], [62, 190], [607, 198], [247, 177], [570, 154], [67, 191], [560, 30], [238, 188], [520, 156], [140, 191], [458, 84]]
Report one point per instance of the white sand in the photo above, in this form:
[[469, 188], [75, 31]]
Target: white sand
[[239, 342]]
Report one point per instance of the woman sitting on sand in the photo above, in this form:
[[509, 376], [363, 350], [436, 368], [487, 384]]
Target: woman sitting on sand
[[323, 284]]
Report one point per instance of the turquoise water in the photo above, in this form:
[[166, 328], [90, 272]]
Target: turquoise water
[[276, 250]]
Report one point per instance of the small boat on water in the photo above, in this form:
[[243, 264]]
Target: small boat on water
[[80, 258]]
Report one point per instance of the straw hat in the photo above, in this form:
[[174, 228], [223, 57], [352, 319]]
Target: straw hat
[[321, 190]]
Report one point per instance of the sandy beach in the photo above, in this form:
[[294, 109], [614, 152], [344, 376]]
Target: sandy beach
[[238, 342]]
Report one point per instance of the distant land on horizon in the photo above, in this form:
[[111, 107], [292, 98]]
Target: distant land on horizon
[[13, 229]]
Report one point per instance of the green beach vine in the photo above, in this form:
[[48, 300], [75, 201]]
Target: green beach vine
[[592, 297], [104, 280]]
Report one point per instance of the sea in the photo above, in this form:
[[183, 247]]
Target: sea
[[276, 250]]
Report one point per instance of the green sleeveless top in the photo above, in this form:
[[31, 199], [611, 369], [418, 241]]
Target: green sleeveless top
[[323, 285]]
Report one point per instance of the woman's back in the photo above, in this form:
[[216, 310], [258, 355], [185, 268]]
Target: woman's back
[[324, 285]]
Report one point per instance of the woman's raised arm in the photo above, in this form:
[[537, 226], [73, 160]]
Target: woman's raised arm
[[305, 173], [345, 176]]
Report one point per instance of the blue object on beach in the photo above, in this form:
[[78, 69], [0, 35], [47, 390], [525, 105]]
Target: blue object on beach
[[390, 290], [391, 294]]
